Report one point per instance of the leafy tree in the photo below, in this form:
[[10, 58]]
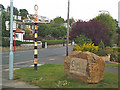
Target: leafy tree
[[43, 30], [15, 10], [58, 20], [5, 17], [1, 6], [23, 13], [82, 39], [59, 31], [110, 24], [70, 21], [93, 29]]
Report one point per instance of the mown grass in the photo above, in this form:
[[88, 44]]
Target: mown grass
[[52, 76], [113, 65]]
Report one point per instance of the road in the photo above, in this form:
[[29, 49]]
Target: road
[[54, 54]]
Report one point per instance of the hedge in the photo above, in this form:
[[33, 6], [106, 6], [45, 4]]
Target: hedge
[[53, 42]]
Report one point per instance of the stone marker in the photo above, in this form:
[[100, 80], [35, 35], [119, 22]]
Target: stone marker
[[84, 66]]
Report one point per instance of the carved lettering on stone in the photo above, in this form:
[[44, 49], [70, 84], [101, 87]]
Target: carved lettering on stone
[[78, 66]]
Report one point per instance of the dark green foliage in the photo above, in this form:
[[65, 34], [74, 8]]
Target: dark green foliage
[[54, 29], [59, 31], [115, 56], [80, 40], [70, 21], [23, 13], [102, 52], [101, 46], [58, 20], [110, 25], [15, 10], [43, 30], [1, 6], [5, 17], [6, 42]]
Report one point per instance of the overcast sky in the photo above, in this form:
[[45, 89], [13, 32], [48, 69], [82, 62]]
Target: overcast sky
[[79, 9]]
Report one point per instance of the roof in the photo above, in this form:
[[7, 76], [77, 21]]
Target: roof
[[18, 30]]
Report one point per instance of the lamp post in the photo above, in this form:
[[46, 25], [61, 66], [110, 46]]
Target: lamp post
[[35, 42], [11, 42], [67, 29]]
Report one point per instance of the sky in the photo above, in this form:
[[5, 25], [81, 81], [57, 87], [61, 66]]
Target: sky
[[79, 9]]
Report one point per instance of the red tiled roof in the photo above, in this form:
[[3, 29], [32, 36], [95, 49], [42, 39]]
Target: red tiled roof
[[18, 30]]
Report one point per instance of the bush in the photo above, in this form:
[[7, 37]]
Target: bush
[[6, 42], [80, 40], [86, 47], [115, 56], [116, 49], [101, 45], [102, 52]]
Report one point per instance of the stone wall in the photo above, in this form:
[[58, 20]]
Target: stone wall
[[106, 58]]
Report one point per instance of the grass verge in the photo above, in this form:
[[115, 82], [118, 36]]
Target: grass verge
[[113, 65], [52, 76]]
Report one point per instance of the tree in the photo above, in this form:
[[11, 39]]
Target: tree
[[82, 39], [58, 20], [92, 29], [59, 31], [110, 24], [43, 30], [15, 10], [23, 13], [70, 21], [5, 17], [1, 6]]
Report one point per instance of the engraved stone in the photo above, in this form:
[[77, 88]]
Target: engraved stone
[[84, 66]]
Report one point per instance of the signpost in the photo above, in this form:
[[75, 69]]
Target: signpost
[[11, 42], [35, 47]]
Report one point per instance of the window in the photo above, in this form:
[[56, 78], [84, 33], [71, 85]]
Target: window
[[17, 35]]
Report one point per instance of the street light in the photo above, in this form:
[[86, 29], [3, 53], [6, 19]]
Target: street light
[[11, 42], [103, 11]]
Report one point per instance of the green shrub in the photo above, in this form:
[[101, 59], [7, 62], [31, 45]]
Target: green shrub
[[86, 47], [101, 45], [5, 42], [115, 56], [102, 52], [80, 40], [116, 49]]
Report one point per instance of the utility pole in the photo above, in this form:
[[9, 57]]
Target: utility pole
[[67, 29], [11, 42], [35, 42]]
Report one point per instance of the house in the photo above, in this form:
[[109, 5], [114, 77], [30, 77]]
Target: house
[[19, 35]]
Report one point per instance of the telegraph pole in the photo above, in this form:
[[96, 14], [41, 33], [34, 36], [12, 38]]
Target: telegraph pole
[[35, 42], [11, 42], [67, 29]]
